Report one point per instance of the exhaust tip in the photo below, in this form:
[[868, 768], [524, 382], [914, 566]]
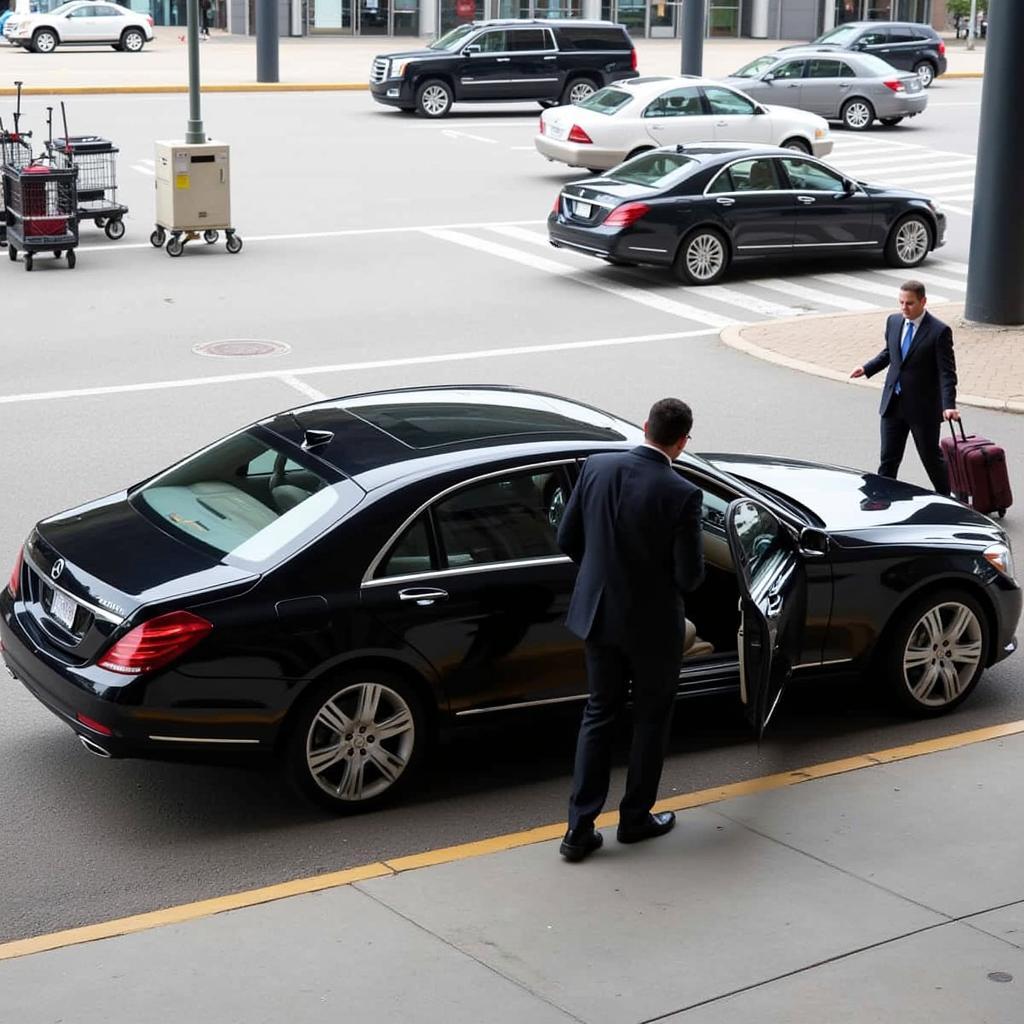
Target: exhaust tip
[[93, 747]]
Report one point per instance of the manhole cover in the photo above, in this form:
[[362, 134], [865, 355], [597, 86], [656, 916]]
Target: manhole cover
[[230, 347]]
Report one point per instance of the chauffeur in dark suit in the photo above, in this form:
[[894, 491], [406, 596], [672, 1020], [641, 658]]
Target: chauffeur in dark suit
[[633, 525], [920, 387]]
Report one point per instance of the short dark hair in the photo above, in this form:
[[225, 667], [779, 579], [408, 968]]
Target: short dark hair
[[917, 287], [668, 421]]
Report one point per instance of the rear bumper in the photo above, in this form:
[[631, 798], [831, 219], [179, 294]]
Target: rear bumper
[[576, 155], [606, 243], [903, 106]]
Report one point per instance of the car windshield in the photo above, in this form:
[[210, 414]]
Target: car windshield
[[246, 498], [755, 67], [654, 169], [875, 65], [841, 35], [452, 40], [606, 101]]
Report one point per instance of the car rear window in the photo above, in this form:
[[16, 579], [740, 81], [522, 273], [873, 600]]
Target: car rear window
[[246, 498], [656, 170], [606, 101], [582, 37], [873, 65]]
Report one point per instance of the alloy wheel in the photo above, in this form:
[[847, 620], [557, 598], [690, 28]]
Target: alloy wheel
[[942, 654], [927, 74], [912, 241], [580, 91], [435, 100], [133, 41], [857, 115], [45, 42], [360, 742], [705, 257]]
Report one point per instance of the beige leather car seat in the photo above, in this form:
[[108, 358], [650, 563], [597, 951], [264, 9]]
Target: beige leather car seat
[[693, 646]]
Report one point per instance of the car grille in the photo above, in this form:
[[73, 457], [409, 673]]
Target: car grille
[[378, 70]]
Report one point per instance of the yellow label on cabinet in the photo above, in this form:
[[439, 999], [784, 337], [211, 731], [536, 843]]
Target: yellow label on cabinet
[[182, 181]]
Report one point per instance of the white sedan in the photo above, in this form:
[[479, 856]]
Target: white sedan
[[629, 117], [81, 23]]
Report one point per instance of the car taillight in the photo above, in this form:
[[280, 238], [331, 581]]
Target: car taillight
[[577, 134], [632, 58], [541, 128], [557, 205], [155, 643], [14, 583], [942, 48], [626, 214], [895, 84], [149, 18]]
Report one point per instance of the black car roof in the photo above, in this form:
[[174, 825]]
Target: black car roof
[[547, 22], [887, 24]]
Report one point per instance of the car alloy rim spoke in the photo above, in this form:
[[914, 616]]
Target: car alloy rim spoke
[[351, 785], [961, 621], [951, 682], [926, 683], [966, 654], [917, 657], [932, 623], [334, 718], [389, 764], [396, 725], [327, 757], [369, 700]]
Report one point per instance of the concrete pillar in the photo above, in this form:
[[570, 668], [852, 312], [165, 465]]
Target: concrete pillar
[[758, 19], [429, 18], [267, 41], [592, 10], [829, 19], [693, 37]]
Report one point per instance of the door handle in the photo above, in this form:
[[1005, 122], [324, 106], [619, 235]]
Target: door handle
[[725, 201], [550, 58], [657, 127], [793, 85], [423, 596], [503, 60], [721, 124], [844, 85], [806, 200]]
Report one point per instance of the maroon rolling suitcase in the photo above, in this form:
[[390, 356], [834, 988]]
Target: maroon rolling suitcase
[[977, 471]]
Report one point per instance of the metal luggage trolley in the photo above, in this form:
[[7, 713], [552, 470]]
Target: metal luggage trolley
[[96, 160], [16, 150]]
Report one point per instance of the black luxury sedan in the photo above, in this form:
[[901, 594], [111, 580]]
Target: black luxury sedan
[[697, 208], [336, 583]]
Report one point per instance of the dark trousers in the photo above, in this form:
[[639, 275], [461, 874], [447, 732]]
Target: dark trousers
[[654, 676], [895, 430]]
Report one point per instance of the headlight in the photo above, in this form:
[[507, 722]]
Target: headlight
[[820, 133], [398, 68], [1001, 557]]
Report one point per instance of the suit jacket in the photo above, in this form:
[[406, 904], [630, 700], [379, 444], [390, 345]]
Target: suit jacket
[[928, 376], [633, 525]]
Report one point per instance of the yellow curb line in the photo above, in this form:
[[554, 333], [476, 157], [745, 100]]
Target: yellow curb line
[[302, 886], [130, 90], [733, 337]]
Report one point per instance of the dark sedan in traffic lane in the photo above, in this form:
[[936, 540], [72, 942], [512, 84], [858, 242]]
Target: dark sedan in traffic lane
[[337, 583], [698, 208]]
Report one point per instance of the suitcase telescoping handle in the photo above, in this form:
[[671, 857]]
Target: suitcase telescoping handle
[[952, 430]]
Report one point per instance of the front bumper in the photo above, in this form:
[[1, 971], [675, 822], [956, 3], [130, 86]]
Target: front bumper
[[576, 154], [822, 147], [393, 92]]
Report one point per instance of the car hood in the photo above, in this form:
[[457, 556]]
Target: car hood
[[421, 54], [849, 500]]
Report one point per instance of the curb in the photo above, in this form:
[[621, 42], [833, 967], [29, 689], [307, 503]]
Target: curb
[[128, 90], [733, 337]]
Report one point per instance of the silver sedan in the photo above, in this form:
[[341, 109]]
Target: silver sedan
[[855, 88]]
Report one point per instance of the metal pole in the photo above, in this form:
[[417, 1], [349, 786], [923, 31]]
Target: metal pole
[[266, 41], [971, 24], [996, 267], [194, 132], [693, 37]]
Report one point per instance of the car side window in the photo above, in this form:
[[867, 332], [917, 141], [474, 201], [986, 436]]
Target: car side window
[[725, 101], [791, 69], [492, 42], [873, 39], [903, 35], [676, 103], [503, 519], [758, 534], [824, 69], [805, 175], [410, 554], [83, 12], [845, 71], [723, 183], [521, 39], [754, 175]]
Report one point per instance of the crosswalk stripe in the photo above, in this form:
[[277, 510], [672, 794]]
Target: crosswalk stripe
[[926, 273], [951, 266], [777, 284], [869, 147], [937, 178], [952, 194], [863, 284], [637, 295], [895, 158], [523, 234], [897, 166]]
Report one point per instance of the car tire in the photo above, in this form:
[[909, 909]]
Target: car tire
[[703, 257], [857, 114], [918, 678], [577, 90], [434, 99], [890, 122], [44, 40], [926, 71], [909, 242], [132, 40], [797, 145], [345, 771]]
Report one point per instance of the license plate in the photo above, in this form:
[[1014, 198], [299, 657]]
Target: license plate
[[63, 609], [913, 86], [557, 131], [582, 209]]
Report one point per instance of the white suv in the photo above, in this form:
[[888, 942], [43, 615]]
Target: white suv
[[80, 23]]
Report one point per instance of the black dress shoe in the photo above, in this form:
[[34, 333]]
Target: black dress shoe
[[580, 843], [655, 825]]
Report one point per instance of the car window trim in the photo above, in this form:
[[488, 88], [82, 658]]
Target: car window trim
[[705, 107], [749, 191], [369, 578], [463, 570]]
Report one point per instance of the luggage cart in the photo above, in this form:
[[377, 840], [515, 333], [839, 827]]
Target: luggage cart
[[42, 204], [96, 160], [16, 150]]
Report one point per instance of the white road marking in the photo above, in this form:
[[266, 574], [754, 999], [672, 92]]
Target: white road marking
[[532, 149], [952, 266], [451, 133], [637, 295], [925, 270], [816, 295], [720, 293], [862, 284], [374, 364], [307, 389], [891, 161], [944, 176]]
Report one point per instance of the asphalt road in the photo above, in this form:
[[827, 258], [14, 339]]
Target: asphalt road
[[331, 195]]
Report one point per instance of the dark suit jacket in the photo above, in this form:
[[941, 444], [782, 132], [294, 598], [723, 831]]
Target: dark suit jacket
[[928, 377], [633, 525]]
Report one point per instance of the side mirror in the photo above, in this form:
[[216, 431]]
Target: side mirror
[[758, 109], [471, 49], [769, 78], [849, 187]]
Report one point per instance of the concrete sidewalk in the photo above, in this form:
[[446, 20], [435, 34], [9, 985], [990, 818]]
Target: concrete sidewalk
[[989, 360], [890, 893], [230, 62]]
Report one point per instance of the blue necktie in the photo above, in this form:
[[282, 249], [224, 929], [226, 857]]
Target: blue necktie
[[908, 337]]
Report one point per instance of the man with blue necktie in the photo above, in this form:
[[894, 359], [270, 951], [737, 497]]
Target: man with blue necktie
[[920, 387]]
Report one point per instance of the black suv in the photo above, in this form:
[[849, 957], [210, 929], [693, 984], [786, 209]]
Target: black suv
[[905, 45], [498, 61]]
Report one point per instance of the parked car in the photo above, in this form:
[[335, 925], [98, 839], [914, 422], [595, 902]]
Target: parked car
[[854, 88], [629, 118], [698, 208], [908, 46], [337, 582], [81, 23], [558, 61]]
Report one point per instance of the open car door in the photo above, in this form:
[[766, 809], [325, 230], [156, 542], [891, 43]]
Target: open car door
[[773, 594]]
